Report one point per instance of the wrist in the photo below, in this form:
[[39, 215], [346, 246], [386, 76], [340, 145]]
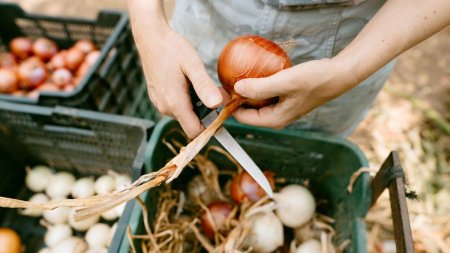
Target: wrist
[[147, 19]]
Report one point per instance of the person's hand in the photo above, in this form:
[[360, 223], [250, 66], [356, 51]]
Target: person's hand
[[300, 89], [169, 67]]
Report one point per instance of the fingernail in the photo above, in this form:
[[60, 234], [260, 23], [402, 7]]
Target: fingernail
[[213, 99]]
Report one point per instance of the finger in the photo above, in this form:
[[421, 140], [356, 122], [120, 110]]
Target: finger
[[204, 86], [188, 119], [272, 116], [260, 88]]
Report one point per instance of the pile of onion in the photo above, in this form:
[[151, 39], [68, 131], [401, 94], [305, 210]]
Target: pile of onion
[[32, 67]]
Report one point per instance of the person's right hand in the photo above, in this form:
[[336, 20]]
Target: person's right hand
[[170, 63], [169, 68]]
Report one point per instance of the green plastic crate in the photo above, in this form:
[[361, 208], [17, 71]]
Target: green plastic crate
[[82, 142], [328, 162], [114, 84]]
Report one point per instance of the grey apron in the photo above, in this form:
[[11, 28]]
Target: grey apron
[[320, 29]]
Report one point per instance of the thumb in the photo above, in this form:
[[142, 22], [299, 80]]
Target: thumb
[[204, 86], [257, 88]]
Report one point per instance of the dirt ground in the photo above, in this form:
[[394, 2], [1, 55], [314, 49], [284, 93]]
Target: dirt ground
[[411, 115]]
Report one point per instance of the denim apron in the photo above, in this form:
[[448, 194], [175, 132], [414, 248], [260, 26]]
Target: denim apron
[[320, 29]]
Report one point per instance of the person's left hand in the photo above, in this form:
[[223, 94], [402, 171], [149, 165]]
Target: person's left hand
[[300, 89]]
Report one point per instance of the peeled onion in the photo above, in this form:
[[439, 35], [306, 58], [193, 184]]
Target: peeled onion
[[295, 205], [83, 188], [197, 188], [110, 215], [250, 56], [57, 216], [98, 235], [70, 245], [38, 198], [244, 188], [81, 225], [105, 184], [38, 178], [60, 185], [56, 234], [97, 250], [266, 233]]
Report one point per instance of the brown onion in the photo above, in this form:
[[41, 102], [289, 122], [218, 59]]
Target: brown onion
[[74, 58], [9, 241], [57, 61], [61, 77], [86, 46], [250, 56], [21, 47], [44, 48], [220, 211], [244, 188], [7, 60], [32, 73], [8, 81]]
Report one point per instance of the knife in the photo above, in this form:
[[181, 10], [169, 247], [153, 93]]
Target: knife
[[207, 116]]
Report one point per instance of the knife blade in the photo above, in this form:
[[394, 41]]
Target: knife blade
[[233, 147], [207, 116]]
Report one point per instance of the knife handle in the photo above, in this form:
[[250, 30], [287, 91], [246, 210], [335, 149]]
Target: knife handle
[[199, 108]]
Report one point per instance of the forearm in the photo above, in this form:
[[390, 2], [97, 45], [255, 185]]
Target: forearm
[[147, 19], [398, 26]]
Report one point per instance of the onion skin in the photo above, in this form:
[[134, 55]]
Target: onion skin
[[250, 56], [74, 58], [244, 188], [219, 211], [61, 77], [57, 61], [7, 60]]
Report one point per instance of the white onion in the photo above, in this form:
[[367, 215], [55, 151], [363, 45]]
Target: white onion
[[38, 178], [44, 250], [111, 233], [110, 215], [310, 246], [82, 225], [70, 245], [57, 216], [266, 232], [38, 198], [122, 181], [119, 209], [98, 235], [295, 205], [56, 234], [60, 185], [97, 250], [105, 184], [83, 188]]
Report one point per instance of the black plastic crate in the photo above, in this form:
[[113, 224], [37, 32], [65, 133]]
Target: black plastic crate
[[82, 142], [115, 84]]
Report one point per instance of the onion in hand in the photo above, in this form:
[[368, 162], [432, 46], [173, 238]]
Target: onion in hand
[[250, 56]]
